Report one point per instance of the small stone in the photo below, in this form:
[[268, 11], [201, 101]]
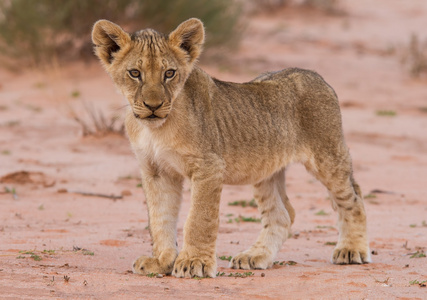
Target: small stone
[[374, 252], [159, 276], [126, 193], [62, 191], [262, 274]]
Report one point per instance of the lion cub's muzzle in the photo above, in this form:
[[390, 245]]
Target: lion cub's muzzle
[[153, 107], [150, 111]]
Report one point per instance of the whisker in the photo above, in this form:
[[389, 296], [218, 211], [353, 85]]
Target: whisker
[[120, 107]]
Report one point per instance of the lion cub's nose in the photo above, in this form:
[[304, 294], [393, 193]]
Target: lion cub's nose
[[153, 107]]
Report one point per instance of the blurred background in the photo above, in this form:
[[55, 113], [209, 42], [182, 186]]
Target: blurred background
[[36, 32]]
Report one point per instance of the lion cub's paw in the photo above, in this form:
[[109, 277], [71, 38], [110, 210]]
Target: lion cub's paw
[[247, 261], [146, 265], [188, 266], [347, 255]]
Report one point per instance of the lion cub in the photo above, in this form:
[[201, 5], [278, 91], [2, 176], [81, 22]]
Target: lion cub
[[182, 123]]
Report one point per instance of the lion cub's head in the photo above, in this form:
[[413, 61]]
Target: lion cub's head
[[150, 68]]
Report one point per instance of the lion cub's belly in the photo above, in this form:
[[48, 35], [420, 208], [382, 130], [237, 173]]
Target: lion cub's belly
[[253, 170], [241, 167]]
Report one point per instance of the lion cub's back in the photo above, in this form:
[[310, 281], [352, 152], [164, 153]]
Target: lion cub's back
[[316, 106], [304, 81], [316, 116], [312, 95]]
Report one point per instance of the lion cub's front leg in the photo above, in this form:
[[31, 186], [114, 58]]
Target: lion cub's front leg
[[163, 193], [198, 257]]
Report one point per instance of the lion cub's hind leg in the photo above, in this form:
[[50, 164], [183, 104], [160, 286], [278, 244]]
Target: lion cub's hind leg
[[163, 195], [277, 216], [335, 172], [281, 187]]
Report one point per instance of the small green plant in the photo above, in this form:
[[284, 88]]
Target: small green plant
[[370, 196], [330, 243], [247, 219], [387, 113], [325, 227], [41, 207], [412, 225], [75, 94], [250, 219], [241, 275], [225, 257], [244, 203], [31, 253], [50, 252], [235, 275], [321, 213], [286, 263], [11, 191], [422, 283], [6, 152], [84, 251], [152, 275], [36, 257], [127, 177], [418, 254]]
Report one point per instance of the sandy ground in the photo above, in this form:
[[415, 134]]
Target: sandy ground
[[57, 243]]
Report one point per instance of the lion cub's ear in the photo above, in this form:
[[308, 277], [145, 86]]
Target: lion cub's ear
[[189, 36], [108, 39]]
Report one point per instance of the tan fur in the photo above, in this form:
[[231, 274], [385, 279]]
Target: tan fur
[[194, 126]]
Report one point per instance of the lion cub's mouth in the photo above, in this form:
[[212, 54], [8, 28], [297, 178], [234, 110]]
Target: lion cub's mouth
[[150, 117]]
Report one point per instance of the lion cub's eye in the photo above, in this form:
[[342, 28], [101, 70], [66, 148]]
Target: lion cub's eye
[[134, 73], [169, 74]]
